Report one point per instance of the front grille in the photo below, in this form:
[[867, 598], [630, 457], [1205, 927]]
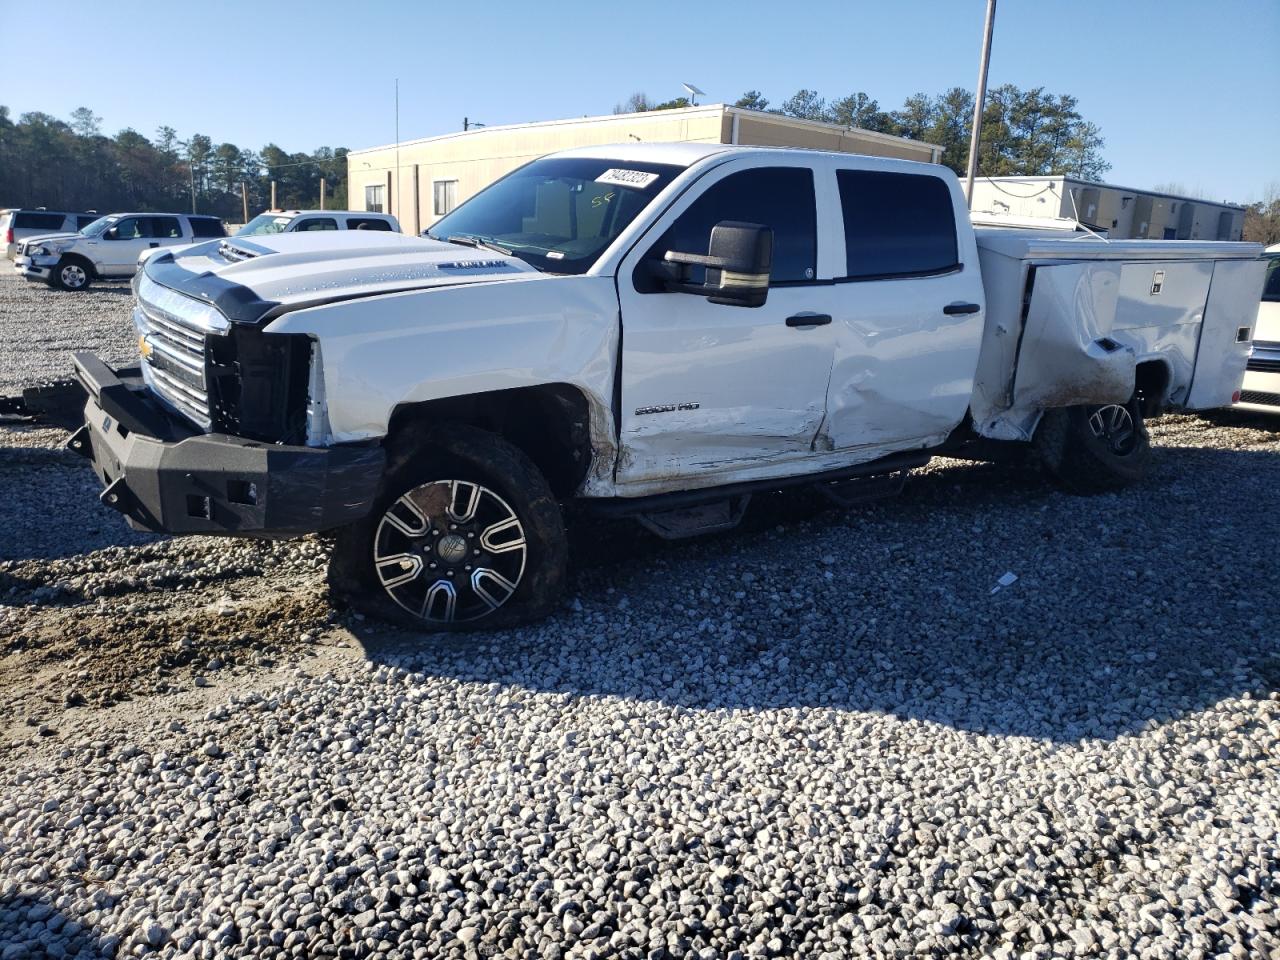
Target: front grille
[[1260, 397], [1261, 365], [176, 363]]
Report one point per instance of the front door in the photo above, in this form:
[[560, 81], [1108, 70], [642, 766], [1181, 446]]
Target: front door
[[711, 392], [120, 245]]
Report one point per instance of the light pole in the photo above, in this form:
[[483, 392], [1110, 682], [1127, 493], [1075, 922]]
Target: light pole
[[191, 170], [978, 100]]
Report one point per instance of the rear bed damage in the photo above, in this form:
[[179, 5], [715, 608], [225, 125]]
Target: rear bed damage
[[1092, 312]]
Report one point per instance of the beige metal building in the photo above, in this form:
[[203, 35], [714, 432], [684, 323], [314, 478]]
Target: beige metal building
[[1122, 212], [421, 180]]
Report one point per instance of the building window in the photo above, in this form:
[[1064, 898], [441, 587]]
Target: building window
[[373, 199], [446, 196]]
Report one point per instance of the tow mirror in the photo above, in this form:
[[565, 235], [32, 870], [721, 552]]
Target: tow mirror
[[738, 261]]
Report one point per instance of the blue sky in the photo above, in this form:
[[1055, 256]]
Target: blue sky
[[1184, 90]]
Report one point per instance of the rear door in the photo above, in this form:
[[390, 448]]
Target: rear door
[[710, 392], [909, 310], [167, 232]]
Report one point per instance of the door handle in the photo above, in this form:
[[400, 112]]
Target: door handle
[[809, 320], [155, 244], [951, 309]]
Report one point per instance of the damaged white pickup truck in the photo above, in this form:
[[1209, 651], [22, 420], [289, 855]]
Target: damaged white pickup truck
[[649, 330]]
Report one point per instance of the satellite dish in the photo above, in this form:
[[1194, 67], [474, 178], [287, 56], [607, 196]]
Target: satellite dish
[[693, 92]]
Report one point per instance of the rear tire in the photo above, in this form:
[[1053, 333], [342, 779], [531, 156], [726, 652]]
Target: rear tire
[[467, 536], [71, 274], [1094, 449]]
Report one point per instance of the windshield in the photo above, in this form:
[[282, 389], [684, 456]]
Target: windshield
[[95, 229], [558, 214], [1271, 287], [264, 223]]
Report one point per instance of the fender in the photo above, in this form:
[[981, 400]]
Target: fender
[[385, 352]]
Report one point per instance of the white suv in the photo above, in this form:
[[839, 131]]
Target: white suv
[[18, 225], [108, 247], [295, 221]]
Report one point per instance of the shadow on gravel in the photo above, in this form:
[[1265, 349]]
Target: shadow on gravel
[[30, 927], [1228, 417], [1131, 609]]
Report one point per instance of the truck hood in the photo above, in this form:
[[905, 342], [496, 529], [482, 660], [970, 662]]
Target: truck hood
[[249, 278], [44, 237]]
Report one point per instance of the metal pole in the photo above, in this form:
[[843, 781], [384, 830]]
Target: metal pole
[[417, 204], [244, 199], [322, 193], [191, 166], [978, 100], [273, 195], [396, 197]]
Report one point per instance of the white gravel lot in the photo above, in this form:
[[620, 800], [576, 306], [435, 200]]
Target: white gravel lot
[[820, 735]]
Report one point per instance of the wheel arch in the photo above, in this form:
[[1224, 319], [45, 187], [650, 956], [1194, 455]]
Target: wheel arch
[[1152, 379], [550, 423], [82, 260]]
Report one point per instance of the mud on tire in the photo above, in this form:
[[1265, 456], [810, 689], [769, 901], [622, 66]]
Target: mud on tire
[[466, 536], [1096, 448]]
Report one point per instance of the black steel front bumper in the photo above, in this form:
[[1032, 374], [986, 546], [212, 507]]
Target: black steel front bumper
[[165, 477]]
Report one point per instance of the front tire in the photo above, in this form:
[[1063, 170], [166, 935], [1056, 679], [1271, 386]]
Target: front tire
[[1093, 449], [467, 536], [71, 275]]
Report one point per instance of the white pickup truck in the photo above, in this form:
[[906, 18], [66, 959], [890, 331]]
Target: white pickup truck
[[648, 330]]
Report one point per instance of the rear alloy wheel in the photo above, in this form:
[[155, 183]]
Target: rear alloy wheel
[[71, 275], [1114, 426], [1094, 449], [467, 536]]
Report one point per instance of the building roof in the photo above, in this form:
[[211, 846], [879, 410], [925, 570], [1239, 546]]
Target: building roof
[[658, 115]]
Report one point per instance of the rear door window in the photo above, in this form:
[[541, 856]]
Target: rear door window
[[367, 223], [38, 221], [165, 228], [318, 223], [777, 197], [896, 225], [207, 227]]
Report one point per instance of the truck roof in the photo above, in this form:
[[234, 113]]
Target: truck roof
[[687, 154], [299, 213]]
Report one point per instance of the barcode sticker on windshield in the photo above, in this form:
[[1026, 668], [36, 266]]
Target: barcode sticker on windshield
[[637, 179]]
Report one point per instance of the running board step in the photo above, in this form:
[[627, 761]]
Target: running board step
[[697, 519], [847, 493]]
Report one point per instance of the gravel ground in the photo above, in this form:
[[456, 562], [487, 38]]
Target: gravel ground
[[40, 327], [819, 735]]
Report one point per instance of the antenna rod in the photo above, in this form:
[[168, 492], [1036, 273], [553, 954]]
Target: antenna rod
[[977, 104]]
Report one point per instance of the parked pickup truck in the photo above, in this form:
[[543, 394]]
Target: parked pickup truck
[[109, 247], [654, 331]]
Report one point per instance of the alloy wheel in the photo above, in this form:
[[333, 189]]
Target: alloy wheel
[[1113, 425], [72, 276], [450, 551]]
